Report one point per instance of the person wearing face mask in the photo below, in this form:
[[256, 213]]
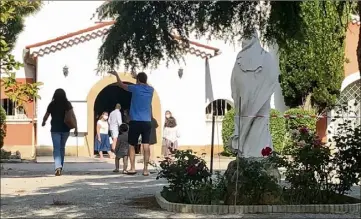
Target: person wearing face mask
[[168, 114], [102, 142]]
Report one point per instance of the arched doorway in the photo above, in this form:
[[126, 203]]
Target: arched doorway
[[96, 90], [108, 98]]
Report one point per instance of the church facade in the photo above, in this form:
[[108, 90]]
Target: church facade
[[61, 52]]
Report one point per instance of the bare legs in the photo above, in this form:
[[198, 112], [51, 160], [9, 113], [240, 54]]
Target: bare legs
[[116, 170], [114, 143], [146, 150], [132, 158], [125, 164], [146, 154], [109, 153]]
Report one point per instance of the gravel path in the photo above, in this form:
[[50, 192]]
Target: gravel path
[[91, 190]]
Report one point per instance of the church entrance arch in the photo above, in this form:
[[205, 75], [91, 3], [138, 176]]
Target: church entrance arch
[[94, 104]]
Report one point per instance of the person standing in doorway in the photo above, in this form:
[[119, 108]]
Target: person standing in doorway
[[170, 137], [140, 118], [115, 120], [168, 114], [126, 117], [60, 131], [102, 142]]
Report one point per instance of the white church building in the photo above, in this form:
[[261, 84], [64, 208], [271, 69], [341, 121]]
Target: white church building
[[60, 46]]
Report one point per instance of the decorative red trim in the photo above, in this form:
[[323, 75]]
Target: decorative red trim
[[95, 32], [69, 35]]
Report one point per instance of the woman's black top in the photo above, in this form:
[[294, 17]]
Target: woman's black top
[[57, 112]]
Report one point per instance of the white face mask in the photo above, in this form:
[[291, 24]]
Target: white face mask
[[167, 116], [105, 117]]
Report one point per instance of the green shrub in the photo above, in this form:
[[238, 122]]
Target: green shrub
[[256, 186], [227, 131], [295, 123], [2, 126], [277, 129]]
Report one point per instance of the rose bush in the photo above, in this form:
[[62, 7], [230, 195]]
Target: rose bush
[[184, 174], [346, 141], [309, 169], [314, 173]]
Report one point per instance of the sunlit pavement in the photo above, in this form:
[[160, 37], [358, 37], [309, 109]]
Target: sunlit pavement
[[89, 189]]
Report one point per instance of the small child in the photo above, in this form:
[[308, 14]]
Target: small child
[[122, 148]]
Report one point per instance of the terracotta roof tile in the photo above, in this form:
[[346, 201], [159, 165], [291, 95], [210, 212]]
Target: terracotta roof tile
[[99, 30]]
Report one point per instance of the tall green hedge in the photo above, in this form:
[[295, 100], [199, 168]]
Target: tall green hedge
[[227, 131], [277, 129], [2, 126], [292, 123]]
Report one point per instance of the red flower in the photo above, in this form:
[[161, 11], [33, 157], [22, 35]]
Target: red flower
[[191, 170], [317, 142], [303, 130], [266, 151]]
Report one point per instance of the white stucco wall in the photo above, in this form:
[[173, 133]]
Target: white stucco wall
[[54, 19], [185, 97]]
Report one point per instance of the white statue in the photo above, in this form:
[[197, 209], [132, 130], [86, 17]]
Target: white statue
[[254, 79]]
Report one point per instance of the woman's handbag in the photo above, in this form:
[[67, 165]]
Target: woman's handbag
[[70, 119]]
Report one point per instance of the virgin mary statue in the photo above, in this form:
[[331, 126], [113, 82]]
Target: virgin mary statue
[[253, 81]]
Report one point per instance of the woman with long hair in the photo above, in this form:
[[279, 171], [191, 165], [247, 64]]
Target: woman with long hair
[[170, 137], [60, 131], [102, 142]]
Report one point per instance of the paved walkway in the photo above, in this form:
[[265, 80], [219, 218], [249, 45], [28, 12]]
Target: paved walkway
[[91, 190]]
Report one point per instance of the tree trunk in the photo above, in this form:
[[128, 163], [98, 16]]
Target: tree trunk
[[359, 40], [307, 104]]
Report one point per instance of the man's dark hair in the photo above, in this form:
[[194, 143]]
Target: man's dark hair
[[142, 77]]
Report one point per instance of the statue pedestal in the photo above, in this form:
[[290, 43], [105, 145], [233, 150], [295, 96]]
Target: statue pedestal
[[246, 168]]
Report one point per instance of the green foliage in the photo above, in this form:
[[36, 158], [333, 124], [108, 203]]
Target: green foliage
[[143, 33], [310, 36], [277, 129], [4, 154], [314, 65], [314, 173], [12, 15], [190, 180], [295, 123], [292, 123], [2, 126], [255, 185], [308, 170], [347, 140], [227, 131], [187, 174]]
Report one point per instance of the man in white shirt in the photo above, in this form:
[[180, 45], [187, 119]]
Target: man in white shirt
[[115, 120]]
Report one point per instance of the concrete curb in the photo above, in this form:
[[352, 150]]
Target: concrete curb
[[10, 161], [254, 209]]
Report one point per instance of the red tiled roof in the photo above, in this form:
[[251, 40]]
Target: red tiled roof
[[99, 30]]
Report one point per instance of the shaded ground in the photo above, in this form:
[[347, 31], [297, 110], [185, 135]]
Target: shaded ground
[[90, 190]]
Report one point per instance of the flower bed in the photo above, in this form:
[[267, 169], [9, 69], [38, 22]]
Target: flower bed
[[317, 180]]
